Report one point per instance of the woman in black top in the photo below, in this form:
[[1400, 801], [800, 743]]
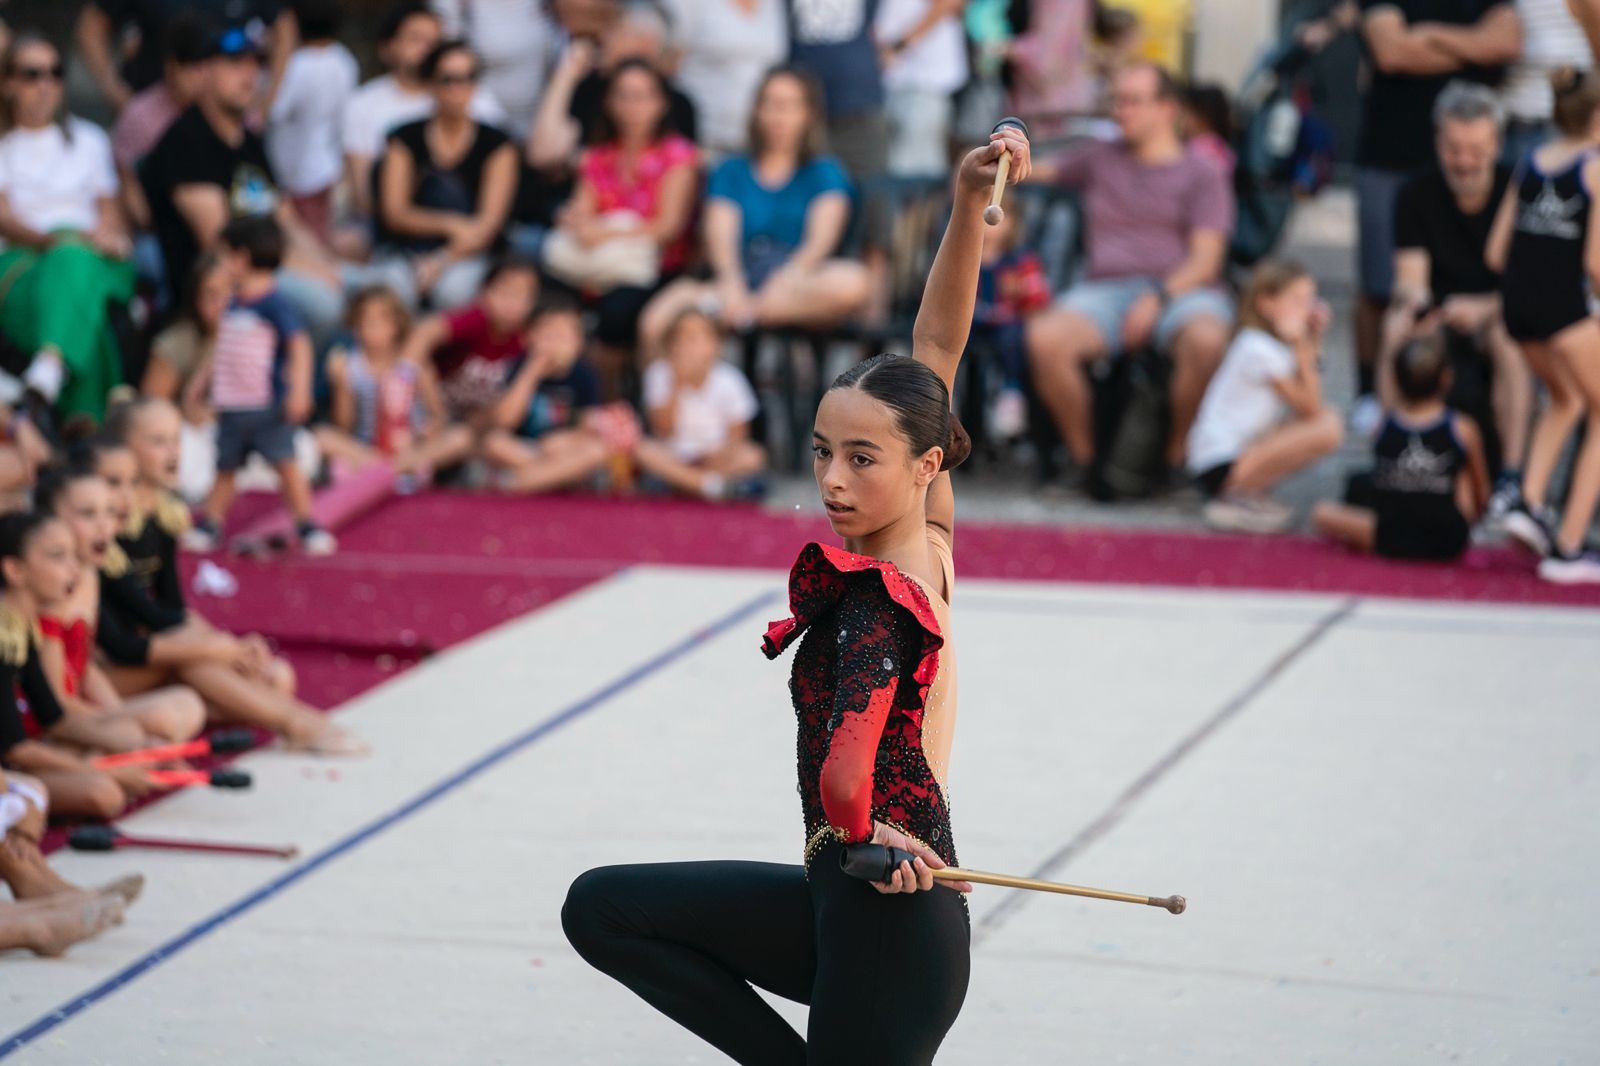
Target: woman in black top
[[1546, 242], [444, 188]]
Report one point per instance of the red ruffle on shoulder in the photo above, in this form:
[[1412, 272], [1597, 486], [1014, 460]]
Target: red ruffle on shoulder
[[818, 581]]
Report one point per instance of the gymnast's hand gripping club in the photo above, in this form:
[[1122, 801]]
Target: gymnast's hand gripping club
[[878, 862], [994, 213]]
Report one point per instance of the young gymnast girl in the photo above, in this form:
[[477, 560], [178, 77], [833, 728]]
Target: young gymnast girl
[[148, 640], [883, 966]]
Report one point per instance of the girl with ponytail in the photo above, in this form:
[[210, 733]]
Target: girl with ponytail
[[883, 966], [1546, 243]]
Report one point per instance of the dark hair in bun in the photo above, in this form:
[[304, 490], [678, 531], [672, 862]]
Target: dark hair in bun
[[919, 400]]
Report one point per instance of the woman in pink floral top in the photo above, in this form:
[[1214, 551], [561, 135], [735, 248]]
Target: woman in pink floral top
[[638, 180]]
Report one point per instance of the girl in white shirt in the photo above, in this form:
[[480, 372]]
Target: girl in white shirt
[[1263, 416], [699, 410]]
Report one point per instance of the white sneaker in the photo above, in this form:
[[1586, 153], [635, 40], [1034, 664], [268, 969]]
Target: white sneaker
[[1527, 529], [1248, 514], [1010, 415], [319, 542], [1580, 569]]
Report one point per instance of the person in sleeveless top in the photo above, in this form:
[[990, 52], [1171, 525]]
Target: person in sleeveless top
[[1546, 244], [883, 967], [1430, 480], [385, 405]]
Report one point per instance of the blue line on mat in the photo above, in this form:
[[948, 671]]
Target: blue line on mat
[[25, 1036]]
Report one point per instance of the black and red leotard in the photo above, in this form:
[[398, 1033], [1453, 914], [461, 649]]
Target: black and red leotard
[[860, 685]]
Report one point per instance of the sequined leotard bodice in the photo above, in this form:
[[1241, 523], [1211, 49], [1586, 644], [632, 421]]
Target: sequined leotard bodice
[[873, 663]]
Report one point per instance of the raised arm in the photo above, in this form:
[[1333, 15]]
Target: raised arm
[[945, 318]]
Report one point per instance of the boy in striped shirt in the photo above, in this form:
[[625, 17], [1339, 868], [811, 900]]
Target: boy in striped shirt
[[259, 376]]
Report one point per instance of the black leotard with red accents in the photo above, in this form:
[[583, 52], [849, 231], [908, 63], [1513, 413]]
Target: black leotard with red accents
[[859, 684]]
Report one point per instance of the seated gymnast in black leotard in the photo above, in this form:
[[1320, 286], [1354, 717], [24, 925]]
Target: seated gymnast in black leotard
[[883, 967]]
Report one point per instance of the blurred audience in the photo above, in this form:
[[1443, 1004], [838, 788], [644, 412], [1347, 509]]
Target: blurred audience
[[303, 134], [105, 26], [385, 407], [725, 48], [407, 35], [1414, 48], [626, 228], [514, 39], [211, 167], [833, 40], [1158, 220], [1264, 416], [1429, 482], [542, 437], [1552, 37], [1012, 288], [473, 348], [66, 258], [1441, 231], [773, 223], [698, 410], [923, 50], [259, 382], [445, 186]]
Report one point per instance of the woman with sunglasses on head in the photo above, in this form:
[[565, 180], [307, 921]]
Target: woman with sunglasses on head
[[443, 188], [66, 250]]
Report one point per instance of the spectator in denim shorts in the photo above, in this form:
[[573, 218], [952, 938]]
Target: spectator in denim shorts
[[1157, 220], [1415, 48]]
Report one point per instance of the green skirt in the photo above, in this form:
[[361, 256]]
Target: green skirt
[[57, 299]]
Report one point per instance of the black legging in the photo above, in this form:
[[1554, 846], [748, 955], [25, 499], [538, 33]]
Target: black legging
[[884, 975]]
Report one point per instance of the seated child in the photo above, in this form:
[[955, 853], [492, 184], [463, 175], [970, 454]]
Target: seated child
[[50, 914], [698, 410], [1011, 286], [1263, 416], [259, 377], [1206, 117], [96, 715], [23, 449], [386, 407], [473, 348], [1429, 481], [149, 635], [539, 438], [38, 563], [175, 354]]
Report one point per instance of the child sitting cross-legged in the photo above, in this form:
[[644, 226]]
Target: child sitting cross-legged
[[541, 438], [385, 405], [1263, 416]]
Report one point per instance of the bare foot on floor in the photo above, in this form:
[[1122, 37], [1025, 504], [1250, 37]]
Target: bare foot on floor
[[127, 888], [54, 925], [22, 866], [321, 737]]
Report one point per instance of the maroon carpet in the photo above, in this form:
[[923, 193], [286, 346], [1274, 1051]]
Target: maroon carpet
[[425, 572]]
